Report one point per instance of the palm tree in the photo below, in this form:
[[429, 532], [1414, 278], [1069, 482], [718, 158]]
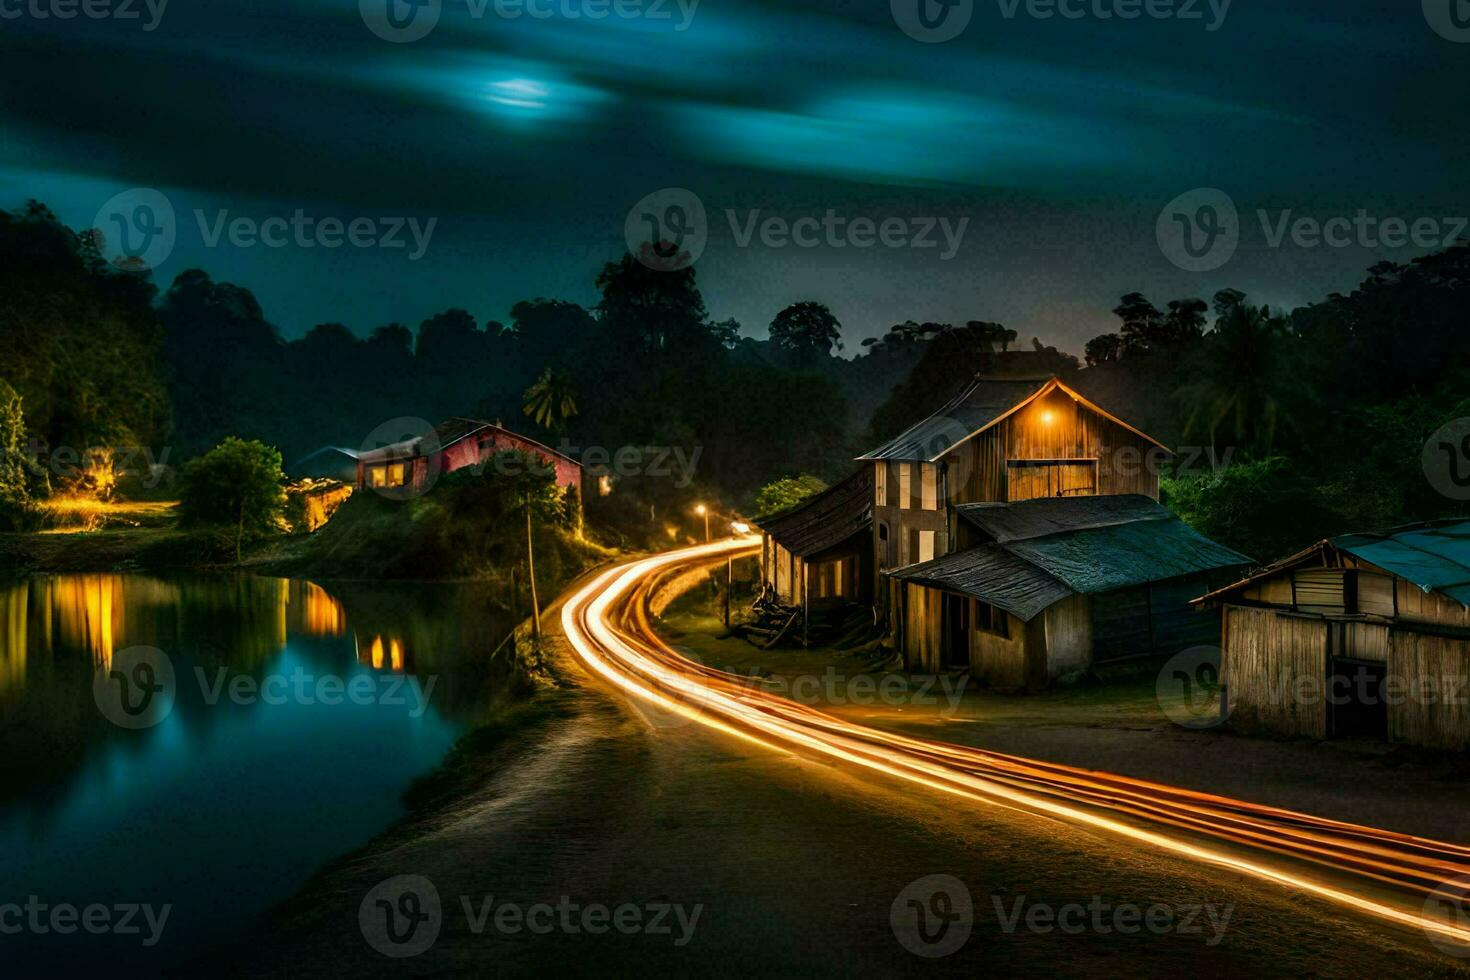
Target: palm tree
[[551, 401], [1244, 380]]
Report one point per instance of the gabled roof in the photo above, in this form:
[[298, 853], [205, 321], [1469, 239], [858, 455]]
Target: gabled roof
[[826, 519], [984, 403], [1433, 556], [446, 434], [1048, 549]]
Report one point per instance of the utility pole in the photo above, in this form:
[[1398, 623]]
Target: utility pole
[[531, 577], [729, 585]]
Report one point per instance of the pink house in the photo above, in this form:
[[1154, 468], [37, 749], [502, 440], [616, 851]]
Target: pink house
[[456, 443]]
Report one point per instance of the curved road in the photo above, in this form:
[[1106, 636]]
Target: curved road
[[1399, 879]]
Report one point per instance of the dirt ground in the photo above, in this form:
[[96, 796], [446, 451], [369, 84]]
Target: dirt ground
[[1116, 726]]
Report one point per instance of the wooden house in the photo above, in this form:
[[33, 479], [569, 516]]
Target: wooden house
[[411, 466], [999, 440], [1043, 589], [821, 549], [1362, 634]]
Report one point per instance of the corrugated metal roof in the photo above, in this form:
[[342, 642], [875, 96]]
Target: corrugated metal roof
[[1435, 557], [1123, 555], [1081, 545], [1052, 515], [992, 574], [825, 520], [975, 408]]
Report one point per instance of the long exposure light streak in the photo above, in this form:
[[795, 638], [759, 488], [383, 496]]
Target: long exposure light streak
[[607, 622]]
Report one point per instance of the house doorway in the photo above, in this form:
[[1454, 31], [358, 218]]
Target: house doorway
[[956, 631], [1355, 704]]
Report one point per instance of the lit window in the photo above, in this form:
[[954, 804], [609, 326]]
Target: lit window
[[904, 487], [929, 476], [926, 546], [880, 481]]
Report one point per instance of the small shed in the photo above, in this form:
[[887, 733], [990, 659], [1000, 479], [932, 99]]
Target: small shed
[[1043, 589], [1358, 635], [821, 549]]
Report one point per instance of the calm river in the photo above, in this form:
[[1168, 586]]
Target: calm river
[[202, 744]]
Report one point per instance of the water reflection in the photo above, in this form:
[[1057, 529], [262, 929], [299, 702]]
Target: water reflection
[[227, 804]]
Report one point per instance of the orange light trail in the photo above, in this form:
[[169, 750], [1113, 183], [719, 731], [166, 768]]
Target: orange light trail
[[608, 625]]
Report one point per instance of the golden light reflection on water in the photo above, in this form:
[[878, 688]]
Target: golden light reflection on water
[[380, 652], [14, 603], [320, 614]]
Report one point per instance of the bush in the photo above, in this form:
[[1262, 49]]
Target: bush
[[238, 484], [781, 494]]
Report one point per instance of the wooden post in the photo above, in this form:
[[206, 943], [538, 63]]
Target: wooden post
[[729, 584], [806, 602], [531, 576]]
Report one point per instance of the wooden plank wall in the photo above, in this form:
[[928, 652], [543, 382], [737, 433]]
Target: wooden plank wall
[[1437, 716], [978, 470], [1067, 626], [922, 624], [1266, 656]]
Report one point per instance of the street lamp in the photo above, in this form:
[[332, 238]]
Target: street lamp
[[703, 511]]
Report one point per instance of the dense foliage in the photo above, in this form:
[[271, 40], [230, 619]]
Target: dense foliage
[[238, 484], [778, 495], [1292, 425]]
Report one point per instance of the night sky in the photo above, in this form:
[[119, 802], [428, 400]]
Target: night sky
[[529, 139]]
